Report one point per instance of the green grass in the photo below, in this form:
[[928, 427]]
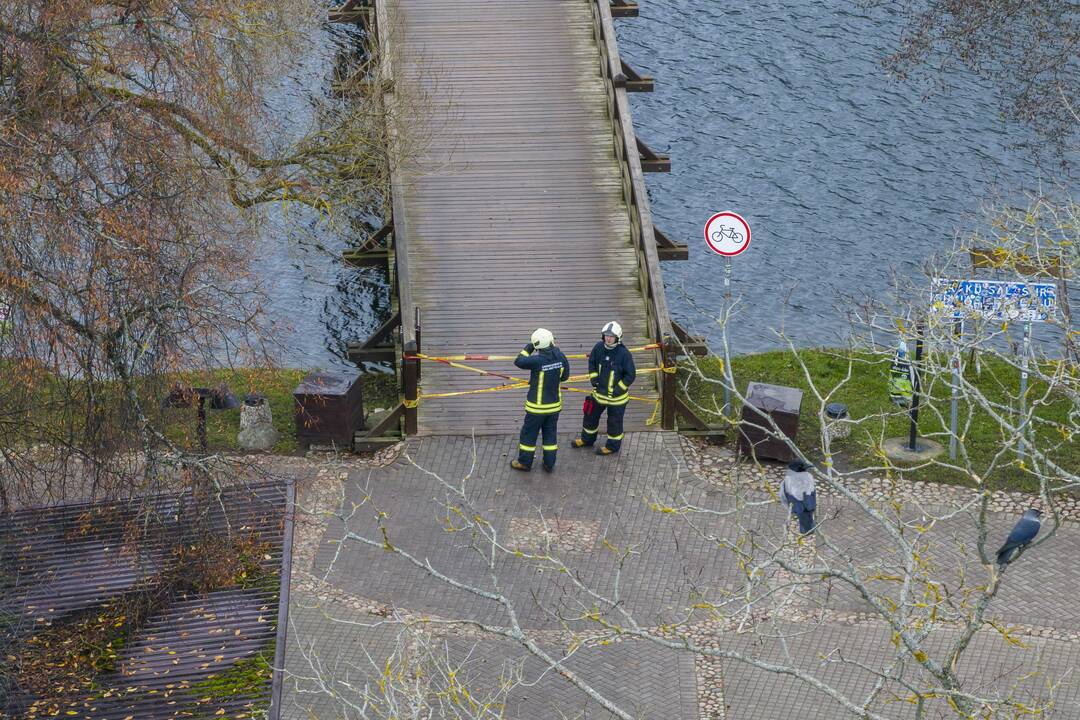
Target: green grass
[[379, 390], [247, 678], [866, 395], [42, 407]]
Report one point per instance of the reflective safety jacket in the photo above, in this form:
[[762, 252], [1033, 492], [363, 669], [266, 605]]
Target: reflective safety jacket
[[548, 368], [612, 371]]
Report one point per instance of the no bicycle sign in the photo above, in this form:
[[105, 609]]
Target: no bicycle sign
[[727, 234]]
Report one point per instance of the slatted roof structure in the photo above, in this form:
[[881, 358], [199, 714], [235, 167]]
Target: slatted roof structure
[[106, 612], [516, 214]]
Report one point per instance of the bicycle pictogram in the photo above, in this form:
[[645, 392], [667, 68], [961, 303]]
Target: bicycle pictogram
[[729, 234]]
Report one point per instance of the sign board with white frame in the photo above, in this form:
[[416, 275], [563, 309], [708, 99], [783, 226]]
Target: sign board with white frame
[[1000, 300]]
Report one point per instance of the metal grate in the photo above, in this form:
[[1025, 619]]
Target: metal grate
[[67, 565]]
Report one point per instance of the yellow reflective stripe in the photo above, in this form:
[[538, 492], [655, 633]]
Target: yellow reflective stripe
[[539, 391], [611, 383], [615, 437], [520, 353], [601, 397], [542, 411], [527, 448], [594, 374], [590, 431], [623, 385], [543, 406], [552, 447]]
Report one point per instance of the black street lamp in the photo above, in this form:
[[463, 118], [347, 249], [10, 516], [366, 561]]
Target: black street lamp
[[221, 398], [915, 387]]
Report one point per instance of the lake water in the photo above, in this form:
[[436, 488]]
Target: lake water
[[780, 111], [315, 302]]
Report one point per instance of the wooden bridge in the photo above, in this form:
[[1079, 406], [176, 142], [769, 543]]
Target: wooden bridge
[[526, 209]]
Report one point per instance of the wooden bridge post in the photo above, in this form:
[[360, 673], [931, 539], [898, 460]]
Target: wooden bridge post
[[411, 381], [418, 345], [667, 384]]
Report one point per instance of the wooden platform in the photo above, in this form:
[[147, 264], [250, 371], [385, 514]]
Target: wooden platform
[[515, 214]]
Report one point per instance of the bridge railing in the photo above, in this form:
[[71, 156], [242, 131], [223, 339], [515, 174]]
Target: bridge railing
[[410, 331], [637, 203], [375, 16], [627, 152]]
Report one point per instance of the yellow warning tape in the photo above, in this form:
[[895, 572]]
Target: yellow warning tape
[[589, 392], [655, 414], [510, 386], [493, 358], [451, 363], [518, 383], [670, 369]]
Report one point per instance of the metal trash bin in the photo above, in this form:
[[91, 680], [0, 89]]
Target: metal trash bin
[[329, 409], [764, 401]]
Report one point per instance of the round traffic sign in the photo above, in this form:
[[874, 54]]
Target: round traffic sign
[[726, 233]]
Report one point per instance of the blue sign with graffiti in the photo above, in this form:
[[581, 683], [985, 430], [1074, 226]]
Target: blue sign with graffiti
[[995, 299]]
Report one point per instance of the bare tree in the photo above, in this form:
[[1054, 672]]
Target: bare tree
[[134, 150], [1029, 50], [422, 676]]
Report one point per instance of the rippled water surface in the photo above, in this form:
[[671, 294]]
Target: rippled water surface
[[316, 303], [780, 111]]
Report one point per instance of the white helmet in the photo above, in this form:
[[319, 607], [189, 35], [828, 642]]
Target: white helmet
[[612, 328], [542, 338]]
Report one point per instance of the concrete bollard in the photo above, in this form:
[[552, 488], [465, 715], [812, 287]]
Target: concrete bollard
[[256, 424]]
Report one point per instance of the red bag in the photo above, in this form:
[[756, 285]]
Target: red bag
[[589, 406]]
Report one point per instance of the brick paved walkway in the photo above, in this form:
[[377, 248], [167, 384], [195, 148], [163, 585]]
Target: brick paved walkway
[[587, 501]]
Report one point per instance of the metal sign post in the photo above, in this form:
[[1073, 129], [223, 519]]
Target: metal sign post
[[915, 383], [1023, 389], [958, 332], [728, 380], [727, 234]]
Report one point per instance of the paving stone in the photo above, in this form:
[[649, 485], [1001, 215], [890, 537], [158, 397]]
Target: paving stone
[[633, 500]]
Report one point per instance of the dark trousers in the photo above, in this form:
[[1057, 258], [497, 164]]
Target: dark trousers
[[590, 425], [532, 427]]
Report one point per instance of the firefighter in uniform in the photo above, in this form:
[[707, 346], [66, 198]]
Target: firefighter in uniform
[[548, 368], [611, 371]]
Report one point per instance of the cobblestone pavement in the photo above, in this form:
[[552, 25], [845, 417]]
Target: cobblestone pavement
[[589, 510]]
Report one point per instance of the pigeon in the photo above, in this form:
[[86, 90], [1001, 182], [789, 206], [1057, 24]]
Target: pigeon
[[1025, 530]]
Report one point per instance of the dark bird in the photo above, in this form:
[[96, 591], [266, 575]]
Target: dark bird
[[1025, 530]]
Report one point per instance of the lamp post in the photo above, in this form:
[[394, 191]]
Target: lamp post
[[916, 380], [221, 398]]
